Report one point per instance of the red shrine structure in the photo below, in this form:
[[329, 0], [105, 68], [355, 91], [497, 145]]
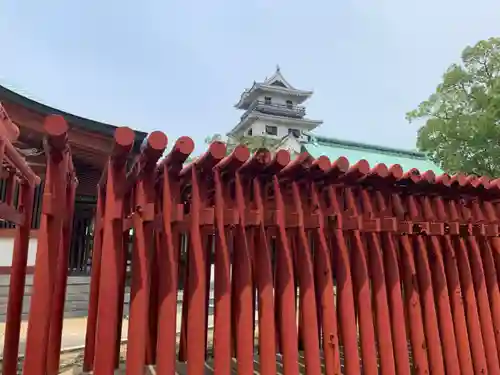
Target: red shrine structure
[[90, 142]]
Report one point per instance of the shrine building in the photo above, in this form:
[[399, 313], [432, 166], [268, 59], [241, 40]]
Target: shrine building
[[90, 143]]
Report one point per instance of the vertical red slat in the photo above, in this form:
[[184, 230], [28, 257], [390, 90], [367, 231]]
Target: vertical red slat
[[324, 278], [474, 257], [455, 293], [346, 310], [376, 264], [122, 277], [469, 297], [285, 288], [153, 301], [185, 300], [393, 282], [440, 287], [243, 291], [138, 329], [222, 292], [264, 280], [95, 275], [56, 323], [434, 348], [490, 246], [46, 267], [306, 288], [112, 242], [363, 295], [17, 282], [197, 289], [168, 258], [412, 294]]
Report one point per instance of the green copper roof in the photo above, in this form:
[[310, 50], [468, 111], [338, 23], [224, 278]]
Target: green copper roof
[[335, 148]]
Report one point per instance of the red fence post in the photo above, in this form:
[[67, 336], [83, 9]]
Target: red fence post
[[345, 293], [438, 274], [95, 273], [17, 282], [324, 279], [411, 290], [255, 172], [170, 211], [285, 286], [223, 329], [54, 202], [114, 178], [473, 257], [56, 323], [199, 215], [297, 235], [467, 288], [142, 177], [362, 290], [454, 289], [392, 274], [378, 275]]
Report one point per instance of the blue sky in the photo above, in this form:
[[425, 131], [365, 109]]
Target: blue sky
[[179, 66]]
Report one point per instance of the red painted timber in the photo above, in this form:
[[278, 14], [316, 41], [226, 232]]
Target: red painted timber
[[454, 291], [90, 332], [469, 296], [264, 280], [474, 258], [363, 297], [434, 348], [438, 275], [196, 292], [411, 293], [111, 262], [324, 285], [242, 279], [376, 264], [17, 283], [143, 178], [345, 293], [304, 270], [483, 212], [56, 323], [393, 281], [285, 288], [53, 212], [168, 254]]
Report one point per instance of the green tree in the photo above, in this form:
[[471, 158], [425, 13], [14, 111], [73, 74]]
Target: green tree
[[253, 143], [462, 117]]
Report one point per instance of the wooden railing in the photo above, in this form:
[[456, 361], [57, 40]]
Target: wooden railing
[[16, 208], [319, 266], [352, 269]]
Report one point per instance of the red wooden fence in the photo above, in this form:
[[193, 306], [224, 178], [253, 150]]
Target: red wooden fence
[[319, 266]]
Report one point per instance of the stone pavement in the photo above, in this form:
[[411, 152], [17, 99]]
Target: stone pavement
[[74, 331]]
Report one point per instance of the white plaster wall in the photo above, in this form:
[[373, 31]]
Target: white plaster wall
[[277, 98], [7, 247], [259, 128]]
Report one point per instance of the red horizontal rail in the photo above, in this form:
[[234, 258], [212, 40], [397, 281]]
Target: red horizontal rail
[[321, 264]]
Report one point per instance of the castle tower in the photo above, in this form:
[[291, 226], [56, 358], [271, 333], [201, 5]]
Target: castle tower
[[273, 109]]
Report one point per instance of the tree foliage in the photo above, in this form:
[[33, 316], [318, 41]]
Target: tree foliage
[[253, 143], [462, 117]]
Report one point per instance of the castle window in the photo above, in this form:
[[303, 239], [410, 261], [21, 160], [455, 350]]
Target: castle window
[[267, 100], [289, 104], [249, 131], [271, 130], [294, 132]]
